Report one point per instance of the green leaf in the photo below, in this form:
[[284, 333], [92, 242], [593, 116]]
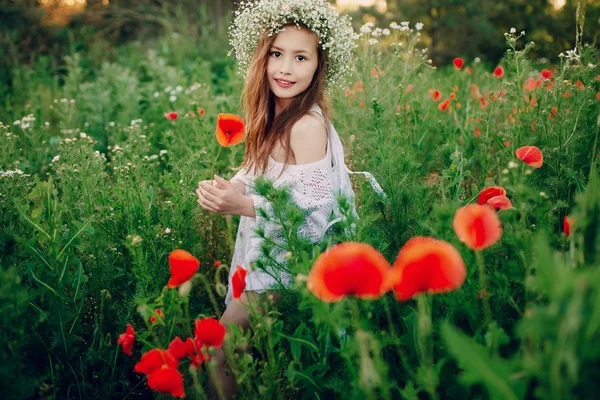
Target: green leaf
[[480, 367]]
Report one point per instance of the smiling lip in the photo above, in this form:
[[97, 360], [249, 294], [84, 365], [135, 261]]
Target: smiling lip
[[283, 84]]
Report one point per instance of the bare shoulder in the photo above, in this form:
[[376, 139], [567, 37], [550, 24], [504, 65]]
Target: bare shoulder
[[308, 139]]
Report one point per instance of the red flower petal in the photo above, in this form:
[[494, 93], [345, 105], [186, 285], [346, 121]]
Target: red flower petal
[[435, 94], [567, 226], [127, 339], [458, 63], [230, 129], [349, 269], [546, 74], [444, 105], [499, 203], [427, 265], [167, 380], [238, 281], [490, 192], [210, 332], [171, 116], [499, 72], [183, 266], [530, 155], [475, 91], [180, 349], [477, 226], [155, 359]]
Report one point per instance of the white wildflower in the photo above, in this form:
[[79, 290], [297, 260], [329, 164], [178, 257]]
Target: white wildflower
[[178, 88], [172, 98], [385, 32], [168, 230], [163, 152], [513, 30], [512, 165], [55, 159], [373, 41], [155, 94], [419, 26]]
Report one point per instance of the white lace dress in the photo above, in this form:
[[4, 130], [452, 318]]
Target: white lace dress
[[313, 186]]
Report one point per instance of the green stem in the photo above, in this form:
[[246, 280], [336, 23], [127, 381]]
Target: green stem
[[212, 168], [487, 311], [211, 295], [425, 341]]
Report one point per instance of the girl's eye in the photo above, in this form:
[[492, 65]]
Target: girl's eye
[[275, 53], [301, 58]]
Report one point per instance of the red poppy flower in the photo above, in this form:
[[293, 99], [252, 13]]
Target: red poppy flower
[[499, 203], [469, 70], [499, 72], [598, 96], [475, 91], [183, 266], [490, 192], [506, 143], [362, 104], [546, 74], [567, 222], [127, 339], [579, 85], [435, 94], [477, 132], [444, 105], [477, 226], [201, 111], [180, 349], [410, 88], [210, 332], [427, 265], [530, 155], [198, 358], [155, 359], [167, 380], [153, 318], [172, 116], [458, 63], [349, 268], [347, 92], [230, 129], [217, 264], [452, 95], [484, 102], [238, 281]]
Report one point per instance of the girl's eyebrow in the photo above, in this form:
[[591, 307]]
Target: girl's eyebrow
[[295, 52]]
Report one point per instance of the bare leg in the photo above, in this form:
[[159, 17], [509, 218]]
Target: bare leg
[[236, 313]]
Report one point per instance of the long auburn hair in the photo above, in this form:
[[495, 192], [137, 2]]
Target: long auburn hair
[[263, 129]]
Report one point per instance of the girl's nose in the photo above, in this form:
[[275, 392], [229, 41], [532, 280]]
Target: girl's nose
[[286, 65]]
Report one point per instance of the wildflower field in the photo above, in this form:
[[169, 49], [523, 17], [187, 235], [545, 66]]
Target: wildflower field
[[476, 275]]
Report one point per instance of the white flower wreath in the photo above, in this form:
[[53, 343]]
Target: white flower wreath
[[336, 36]]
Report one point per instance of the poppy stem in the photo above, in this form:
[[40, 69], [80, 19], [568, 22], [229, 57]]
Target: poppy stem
[[199, 390], [425, 341], [211, 295], [212, 168], [487, 311]]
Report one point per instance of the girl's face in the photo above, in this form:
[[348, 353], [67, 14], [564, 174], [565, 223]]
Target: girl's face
[[292, 63]]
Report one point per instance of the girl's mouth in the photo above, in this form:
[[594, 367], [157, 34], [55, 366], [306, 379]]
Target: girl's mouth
[[284, 84]]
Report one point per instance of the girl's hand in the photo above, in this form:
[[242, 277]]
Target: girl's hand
[[223, 198]]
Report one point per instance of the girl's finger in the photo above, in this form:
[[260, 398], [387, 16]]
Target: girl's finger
[[210, 188], [208, 196], [204, 203]]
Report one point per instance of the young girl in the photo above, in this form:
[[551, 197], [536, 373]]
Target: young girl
[[291, 51]]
